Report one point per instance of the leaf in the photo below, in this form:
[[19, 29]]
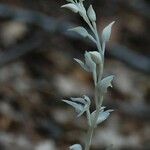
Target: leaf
[[107, 32], [71, 6], [83, 110], [105, 83], [91, 65], [80, 100], [80, 104], [91, 59], [87, 99], [82, 10], [96, 57], [83, 32], [75, 147], [103, 115], [78, 107], [89, 62], [91, 14], [80, 30], [82, 64], [86, 103], [94, 112]]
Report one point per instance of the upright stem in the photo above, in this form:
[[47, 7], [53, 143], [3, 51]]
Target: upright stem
[[89, 138], [96, 97], [98, 100], [98, 103], [91, 130]]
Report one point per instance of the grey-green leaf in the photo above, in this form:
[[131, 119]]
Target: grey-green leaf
[[75, 147], [91, 14], [82, 64], [71, 6], [87, 99], [91, 65], [80, 100], [80, 30], [80, 104], [83, 32], [107, 32], [89, 62], [78, 107], [105, 83], [82, 10], [96, 57], [103, 115]]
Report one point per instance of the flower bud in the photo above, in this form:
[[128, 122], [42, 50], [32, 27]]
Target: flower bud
[[96, 57]]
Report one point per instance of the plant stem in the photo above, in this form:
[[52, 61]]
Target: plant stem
[[88, 117], [98, 104], [93, 125], [98, 98], [89, 138], [90, 131]]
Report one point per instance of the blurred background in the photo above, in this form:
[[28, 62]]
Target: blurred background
[[37, 70]]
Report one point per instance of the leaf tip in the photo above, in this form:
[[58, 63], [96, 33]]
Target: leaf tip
[[71, 6]]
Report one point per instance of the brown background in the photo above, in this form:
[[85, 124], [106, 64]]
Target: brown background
[[37, 71]]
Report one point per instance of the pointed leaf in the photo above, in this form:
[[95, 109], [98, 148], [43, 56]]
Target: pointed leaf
[[87, 103], [96, 57], [82, 10], [103, 115], [89, 62], [80, 30], [83, 110], [91, 65], [105, 83], [91, 14], [80, 100], [76, 147], [82, 64], [87, 99], [78, 107], [107, 32], [80, 104], [71, 6], [94, 112], [83, 32]]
